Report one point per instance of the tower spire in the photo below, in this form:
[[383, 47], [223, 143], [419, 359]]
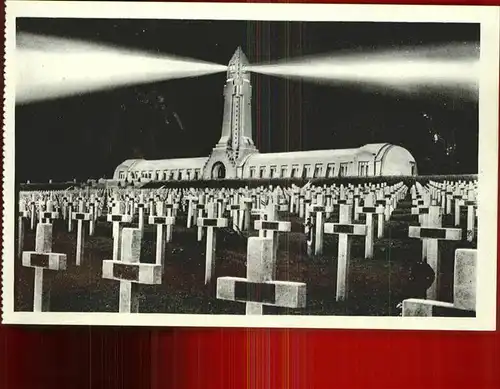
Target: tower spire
[[237, 67]]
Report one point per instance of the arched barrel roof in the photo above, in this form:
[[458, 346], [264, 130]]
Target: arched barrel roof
[[378, 150], [316, 156], [161, 164]]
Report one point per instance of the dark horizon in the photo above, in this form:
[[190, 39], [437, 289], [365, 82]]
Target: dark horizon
[[87, 136]]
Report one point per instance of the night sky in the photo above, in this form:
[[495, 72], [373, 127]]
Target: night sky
[[87, 136]]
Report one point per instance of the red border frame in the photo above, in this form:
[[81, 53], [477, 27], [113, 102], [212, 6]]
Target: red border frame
[[89, 357]]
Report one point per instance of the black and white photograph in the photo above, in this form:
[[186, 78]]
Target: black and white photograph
[[250, 165]]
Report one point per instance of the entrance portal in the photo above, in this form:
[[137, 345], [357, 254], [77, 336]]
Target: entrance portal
[[218, 171]]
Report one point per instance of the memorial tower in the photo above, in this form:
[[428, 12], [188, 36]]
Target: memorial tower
[[236, 142]]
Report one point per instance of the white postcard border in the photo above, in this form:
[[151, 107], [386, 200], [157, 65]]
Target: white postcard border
[[488, 17]]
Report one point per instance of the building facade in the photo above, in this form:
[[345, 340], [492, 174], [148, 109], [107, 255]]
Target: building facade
[[235, 154]]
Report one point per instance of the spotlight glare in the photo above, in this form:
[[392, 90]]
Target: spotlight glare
[[50, 67], [453, 68]]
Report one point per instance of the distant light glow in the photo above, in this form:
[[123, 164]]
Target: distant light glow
[[453, 67], [49, 67]]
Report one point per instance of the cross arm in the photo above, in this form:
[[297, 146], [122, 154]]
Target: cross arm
[[211, 222], [51, 261], [49, 215], [141, 273], [420, 211], [379, 209], [435, 233], [81, 216], [120, 218], [350, 229], [276, 293], [320, 208], [274, 226], [168, 220]]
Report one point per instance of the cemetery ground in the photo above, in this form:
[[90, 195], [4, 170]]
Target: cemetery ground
[[376, 286]]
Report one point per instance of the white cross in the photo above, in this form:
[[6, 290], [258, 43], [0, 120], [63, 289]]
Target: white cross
[[192, 201], [130, 271], [345, 229], [161, 221], [43, 259], [319, 209], [260, 288], [433, 233], [118, 219], [210, 223], [271, 226], [140, 206], [369, 209], [471, 205], [80, 217], [23, 216]]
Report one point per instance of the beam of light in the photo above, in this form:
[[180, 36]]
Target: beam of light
[[49, 67], [452, 69]]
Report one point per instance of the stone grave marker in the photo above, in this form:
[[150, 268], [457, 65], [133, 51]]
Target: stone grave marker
[[270, 226], [369, 209], [210, 223], [21, 226], [118, 217], [161, 234], [141, 205], [260, 288], [345, 229], [471, 205], [434, 233], [130, 271], [43, 259], [319, 210], [464, 291], [80, 217]]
